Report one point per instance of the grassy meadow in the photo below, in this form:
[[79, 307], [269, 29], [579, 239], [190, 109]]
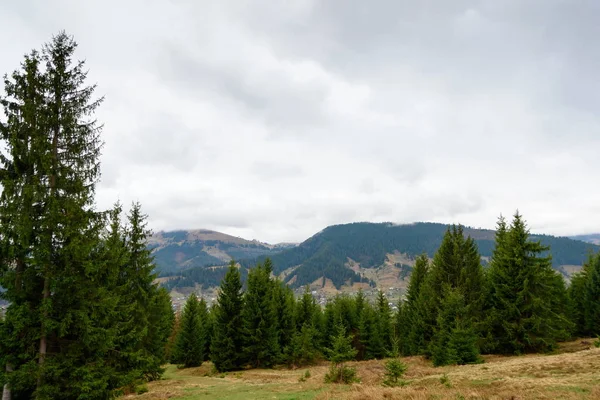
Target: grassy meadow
[[573, 372]]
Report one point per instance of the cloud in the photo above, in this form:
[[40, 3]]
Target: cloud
[[271, 120]]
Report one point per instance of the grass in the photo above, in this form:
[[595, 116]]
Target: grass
[[571, 373]]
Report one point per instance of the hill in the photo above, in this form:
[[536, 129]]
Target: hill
[[375, 254], [590, 238], [180, 250]]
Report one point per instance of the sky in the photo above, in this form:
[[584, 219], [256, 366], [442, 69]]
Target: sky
[[271, 120]]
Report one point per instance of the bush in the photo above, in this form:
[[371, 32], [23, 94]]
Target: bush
[[394, 370], [341, 374], [141, 389], [597, 342], [444, 380], [304, 377]]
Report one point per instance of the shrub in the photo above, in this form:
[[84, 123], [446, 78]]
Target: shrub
[[394, 370], [341, 374], [141, 389], [444, 380]]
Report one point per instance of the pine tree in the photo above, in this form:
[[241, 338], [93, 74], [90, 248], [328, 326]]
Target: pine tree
[[259, 318], [591, 306], [384, 320], [341, 351], [408, 322], [227, 341], [524, 293], [303, 347], [284, 305], [370, 338], [170, 347], [456, 265], [51, 232], [189, 345], [160, 324], [454, 340]]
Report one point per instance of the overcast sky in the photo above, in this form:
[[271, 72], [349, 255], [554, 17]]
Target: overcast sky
[[273, 119]]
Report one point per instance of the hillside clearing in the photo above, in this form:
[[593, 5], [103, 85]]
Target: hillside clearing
[[571, 374]]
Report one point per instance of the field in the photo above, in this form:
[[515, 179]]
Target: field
[[573, 372]]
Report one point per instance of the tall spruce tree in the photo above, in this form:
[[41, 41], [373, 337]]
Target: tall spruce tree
[[259, 318], [384, 320], [51, 167], [524, 293], [408, 322], [456, 265], [454, 340], [285, 307], [227, 340], [584, 298], [189, 344]]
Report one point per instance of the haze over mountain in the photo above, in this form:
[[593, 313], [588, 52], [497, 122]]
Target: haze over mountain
[[356, 254]]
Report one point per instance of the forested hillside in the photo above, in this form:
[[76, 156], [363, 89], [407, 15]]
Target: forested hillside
[[453, 312], [180, 250], [327, 254]]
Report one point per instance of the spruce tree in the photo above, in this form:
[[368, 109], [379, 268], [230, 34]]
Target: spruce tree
[[384, 320], [408, 322], [303, 348], [227, 340], [341, 351], [454, 340], [259, 318], [524, 293], [456, 265], [51, 232], [590, 296], [189, 345], [370, 338], [284, 305]]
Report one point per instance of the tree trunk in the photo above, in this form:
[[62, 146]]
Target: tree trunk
[[46, 292]]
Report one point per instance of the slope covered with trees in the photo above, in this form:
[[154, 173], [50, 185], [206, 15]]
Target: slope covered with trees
[[326, 254], [454, 310]]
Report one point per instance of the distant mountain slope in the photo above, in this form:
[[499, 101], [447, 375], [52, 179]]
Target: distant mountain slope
[[179, 250], [590, 238], [359, 253], [339, 252]]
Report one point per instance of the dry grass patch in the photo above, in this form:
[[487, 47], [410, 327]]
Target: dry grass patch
[[570, 375]]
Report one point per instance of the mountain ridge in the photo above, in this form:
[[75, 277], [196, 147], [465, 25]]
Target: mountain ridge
[[375, 254]]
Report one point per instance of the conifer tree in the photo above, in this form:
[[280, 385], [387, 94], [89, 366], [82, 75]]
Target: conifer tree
[[454, 340], [50, 230], [584, 298], [227, 340], [456, 265], [408, 322], [524, 312], [189, 345], [303, 348], [384, 319], [284, 305], [371, 341], [341, 351], [259, 318], [170, 347]]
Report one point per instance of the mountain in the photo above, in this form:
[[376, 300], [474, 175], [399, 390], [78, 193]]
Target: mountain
[[590, 238], [375, 254], [179, 250]]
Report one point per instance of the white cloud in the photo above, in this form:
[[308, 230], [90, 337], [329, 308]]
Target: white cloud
[[272, 120]]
